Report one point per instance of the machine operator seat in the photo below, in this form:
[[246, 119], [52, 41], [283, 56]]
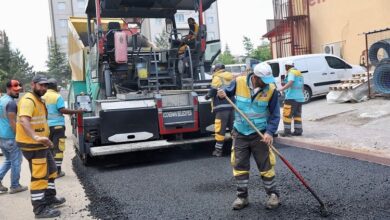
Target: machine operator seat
[[112, 27]]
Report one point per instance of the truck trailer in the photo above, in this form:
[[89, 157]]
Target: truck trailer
[[138, 96]]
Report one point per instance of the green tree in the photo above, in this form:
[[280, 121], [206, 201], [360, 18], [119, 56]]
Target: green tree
[[20, 69], [13, 65], [248, 46], [226, 57], [262, 52], [57, 64], [162, 40], [5, 56]]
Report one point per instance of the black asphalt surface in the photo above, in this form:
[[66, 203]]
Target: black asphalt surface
[[190, 184]]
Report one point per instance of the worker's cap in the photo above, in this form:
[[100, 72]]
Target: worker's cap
[[52, 81], [289, 63], [219, 66], [14, 85], [40, 79], [264, 71]]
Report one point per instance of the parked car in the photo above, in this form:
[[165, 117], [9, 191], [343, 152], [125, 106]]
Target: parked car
[[319, 72], [236, 69]]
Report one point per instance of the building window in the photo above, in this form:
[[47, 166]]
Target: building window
[[179, 18], [210, 20], [64, 40], [80, 4], [61, 6], [158, 21], [63, 23], [211, 36]]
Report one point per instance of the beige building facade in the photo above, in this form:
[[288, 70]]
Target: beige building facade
[[340, 24], [332, 26]]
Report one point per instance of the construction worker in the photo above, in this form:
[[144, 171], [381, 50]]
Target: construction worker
[[190, 38], [13, 154], [32, 134], [56, 108], [292, 108], [223, 110], [256, 96]]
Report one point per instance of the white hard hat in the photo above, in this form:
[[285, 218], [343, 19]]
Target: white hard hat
[[289, 63], [264, 71]]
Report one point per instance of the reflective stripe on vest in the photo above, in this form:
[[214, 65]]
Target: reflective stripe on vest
[[6, 131], [38, 121], [256, 111]]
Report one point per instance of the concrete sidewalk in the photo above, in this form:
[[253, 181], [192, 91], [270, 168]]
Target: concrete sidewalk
[[18, 206], [363, 127]]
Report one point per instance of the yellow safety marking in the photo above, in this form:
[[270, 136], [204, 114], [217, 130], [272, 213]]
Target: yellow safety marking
[[61, 144], [53, 175], [240, 172], [219, 137], [39, 168], [288, 120], [270, 173], [59, 155], [38, 184], [217, 125]]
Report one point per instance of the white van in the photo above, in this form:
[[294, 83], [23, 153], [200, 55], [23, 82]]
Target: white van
[[319, 72], [236, 69]]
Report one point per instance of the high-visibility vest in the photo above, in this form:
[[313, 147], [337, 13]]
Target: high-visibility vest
[[55, 117], [221, 79], [257, 110], [295, 92], [6, 132], [38, 121]]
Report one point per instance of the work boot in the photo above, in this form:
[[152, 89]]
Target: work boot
[[240, 203], [18, 189], [285, 134], [272, 202], [60, 174], [56, 202], [3, 189], [296, 134], [217, 153], [48, 212]]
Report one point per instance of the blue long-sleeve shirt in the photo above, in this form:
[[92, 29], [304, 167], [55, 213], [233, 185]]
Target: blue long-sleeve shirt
[[273, 107]]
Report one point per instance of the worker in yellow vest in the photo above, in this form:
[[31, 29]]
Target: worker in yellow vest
[[190, 38], [294, 98], [55, 105], [224, 114], [32, 134], [257, 98]]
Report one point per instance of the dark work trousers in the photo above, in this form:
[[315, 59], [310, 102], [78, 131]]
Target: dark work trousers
[[223, 119], [57, 136], [43, 173], [243, 147], [292, 111]]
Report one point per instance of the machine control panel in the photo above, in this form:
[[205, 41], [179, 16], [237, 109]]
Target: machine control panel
[[83, 102]]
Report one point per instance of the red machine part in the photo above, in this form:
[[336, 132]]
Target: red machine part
[[164, 130]]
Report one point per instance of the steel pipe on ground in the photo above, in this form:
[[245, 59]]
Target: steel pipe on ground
[[382, 76], [375, 48]]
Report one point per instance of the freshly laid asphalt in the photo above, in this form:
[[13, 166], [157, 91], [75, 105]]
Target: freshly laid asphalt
[[190, 184]]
